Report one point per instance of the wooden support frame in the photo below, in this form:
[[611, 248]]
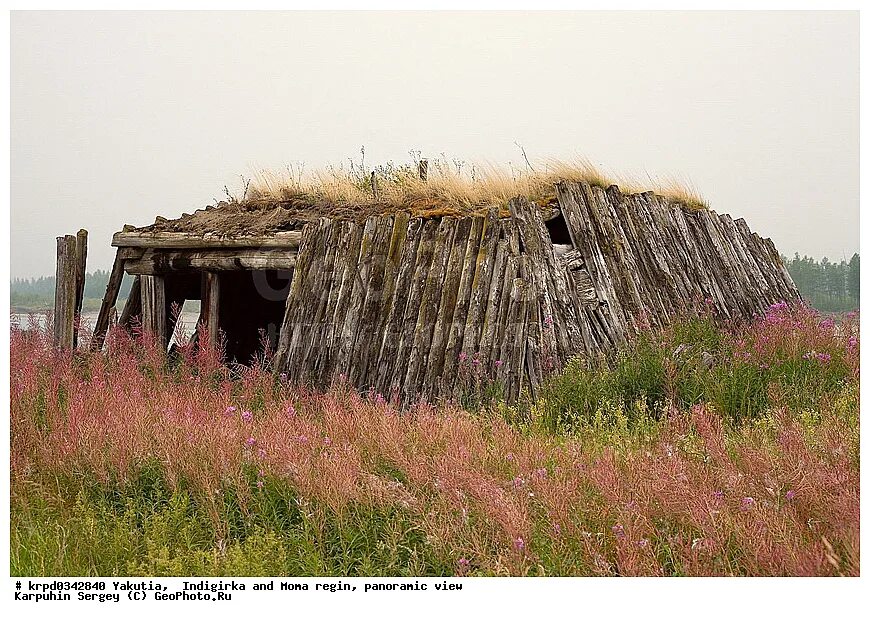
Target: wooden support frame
[[181, 240], [153, 292], [163, 261]]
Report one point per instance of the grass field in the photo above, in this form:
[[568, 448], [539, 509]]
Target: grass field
[[708, 449]]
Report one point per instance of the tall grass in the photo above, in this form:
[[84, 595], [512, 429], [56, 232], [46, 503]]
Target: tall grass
[[125, 463], [452, 187]]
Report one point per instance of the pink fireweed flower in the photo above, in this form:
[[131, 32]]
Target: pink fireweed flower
[[508, 457], [291, 411], [541, 473], [463, 562], [518, 482], [824, 358], [476, 362], [463, 356], [259, 484], [250, 441], [643, 542], [826, 324], [230, 411], [520, 544], [302, 439], [261, 453], [261, 473], [498, 363], [789, 495], [718, 495], [746, 503], [548, 320], [247, 416], [618, 530]]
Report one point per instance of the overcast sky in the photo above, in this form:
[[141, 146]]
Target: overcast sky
[[119, 117]]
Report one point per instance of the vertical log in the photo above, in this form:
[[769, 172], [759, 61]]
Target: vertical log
[[109, 300], [81, 269], [209, 313], [154, 306], [65, 292]]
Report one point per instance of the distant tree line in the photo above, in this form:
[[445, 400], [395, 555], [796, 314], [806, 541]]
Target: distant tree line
[[39, 292], [827, 285]]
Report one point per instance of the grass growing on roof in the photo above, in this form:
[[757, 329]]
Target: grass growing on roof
[[451, 188]]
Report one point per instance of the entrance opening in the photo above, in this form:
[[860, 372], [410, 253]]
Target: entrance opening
[[251, 309]]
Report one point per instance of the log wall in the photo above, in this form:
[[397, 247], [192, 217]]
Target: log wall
[[421, 308]]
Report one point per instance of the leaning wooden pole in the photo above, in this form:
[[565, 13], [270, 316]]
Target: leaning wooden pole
[[65, 292], [81, 265], [131, 315], [109, 300]]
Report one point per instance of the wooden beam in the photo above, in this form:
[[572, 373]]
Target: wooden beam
[[65, 292], [109, 300], [133, 306], [158, 261], [153, 289], [81, 265], [183, 240], [209, 306]]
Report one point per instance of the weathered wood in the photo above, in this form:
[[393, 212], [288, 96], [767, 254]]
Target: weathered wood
[[429, 303], [457, 323], [81, 270], [131, 315], [108, 304], [209, 311], [418, 307], [183, 240], [161, 261], [430, 373], [153, 292], [65, 292]]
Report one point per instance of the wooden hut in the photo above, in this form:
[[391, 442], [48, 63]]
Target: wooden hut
[[416, 306]]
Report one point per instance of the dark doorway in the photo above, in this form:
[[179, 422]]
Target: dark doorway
[[251, 309]]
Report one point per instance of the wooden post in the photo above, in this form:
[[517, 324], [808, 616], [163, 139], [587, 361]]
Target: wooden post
[[154, 306], [65, 292], [209, 307], [109, 299], [423, 169], [81, 264]]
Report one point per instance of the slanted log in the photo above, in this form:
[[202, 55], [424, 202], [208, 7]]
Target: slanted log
[[108, 304], [153, 290], [65, 292], [132, 313]]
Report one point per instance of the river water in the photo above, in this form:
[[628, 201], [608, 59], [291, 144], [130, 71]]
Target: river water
[[26, 321]]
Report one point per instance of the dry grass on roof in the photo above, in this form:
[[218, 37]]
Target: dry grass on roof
[[280, 201], [452, 188]]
